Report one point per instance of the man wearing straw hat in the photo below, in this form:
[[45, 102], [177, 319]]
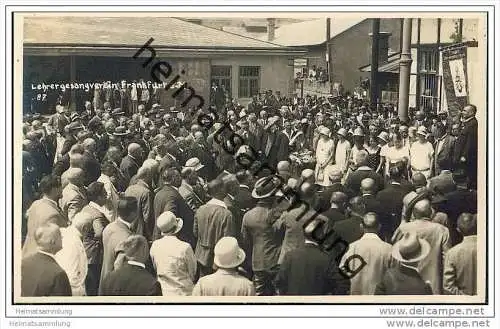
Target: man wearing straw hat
[[226, 281], [172, 258], [260, 234], [406, 279]]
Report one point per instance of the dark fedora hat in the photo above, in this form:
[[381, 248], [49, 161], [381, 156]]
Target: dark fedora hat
[[266, 187]]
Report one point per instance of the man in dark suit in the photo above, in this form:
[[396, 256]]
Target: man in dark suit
[[392, 200], [405, 279], [41, 275], [91, 165], [131, 162], [336, 212], [368, 193], [325, 192], [142, 192], [117, 232], [444, 147], [349, 228], [353, 181], [274, 144], [168, 198], [307, 270], [461, 200], [131, 278], [466, 145], [244, 195]]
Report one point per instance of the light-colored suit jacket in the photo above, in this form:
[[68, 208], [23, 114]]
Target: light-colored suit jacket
[[41, 212], [73, 200], [211, 223], [377, 255], [431, 268], [460, 268], [114, 234]]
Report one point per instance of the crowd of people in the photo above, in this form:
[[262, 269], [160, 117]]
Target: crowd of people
[[148, 202]]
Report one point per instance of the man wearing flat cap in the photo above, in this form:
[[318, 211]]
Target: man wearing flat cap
[[132, 278]]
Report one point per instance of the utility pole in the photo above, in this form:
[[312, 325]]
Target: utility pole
[[328, 59], [404, 71], [374, 63]]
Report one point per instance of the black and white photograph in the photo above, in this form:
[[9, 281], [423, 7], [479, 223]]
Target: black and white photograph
[[268, 157]]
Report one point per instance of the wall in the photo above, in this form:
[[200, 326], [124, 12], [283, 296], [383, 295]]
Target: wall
[[275, 74], [351, 50]]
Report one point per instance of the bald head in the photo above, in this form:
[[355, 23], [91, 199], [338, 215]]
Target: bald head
[[370, 223], [368, 186], [357, 204], [467, 224], [361, 158], [422, 209], [48, 238], [216, 189], [134, 150], [152, 164], [418, 180], [339, 199], [90, 145], [75, 176], [82, 224]]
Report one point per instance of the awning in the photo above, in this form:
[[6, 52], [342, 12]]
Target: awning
[[390, 67]]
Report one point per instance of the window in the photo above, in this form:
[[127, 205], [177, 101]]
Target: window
[[221, 76], [429, 79], [249, 81]]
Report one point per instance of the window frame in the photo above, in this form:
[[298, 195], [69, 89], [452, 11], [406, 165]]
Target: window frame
[[247, 79]]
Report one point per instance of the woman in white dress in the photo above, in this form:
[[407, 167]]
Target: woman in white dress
[[398, 155], [343, 151], [324, 155]]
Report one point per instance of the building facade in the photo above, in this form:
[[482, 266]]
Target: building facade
[[93, 52]]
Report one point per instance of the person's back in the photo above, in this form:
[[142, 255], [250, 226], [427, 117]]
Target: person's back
[[130, 280], [224, 283], [42, 276], [306, 271], [437, 235], [460, 263]]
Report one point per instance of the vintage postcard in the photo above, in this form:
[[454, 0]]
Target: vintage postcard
[[315, 157]]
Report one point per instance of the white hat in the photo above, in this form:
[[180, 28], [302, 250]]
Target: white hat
[[324, 131], [342, 132], [228, 254], [193, 163], [169, 223], [422, 131]]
